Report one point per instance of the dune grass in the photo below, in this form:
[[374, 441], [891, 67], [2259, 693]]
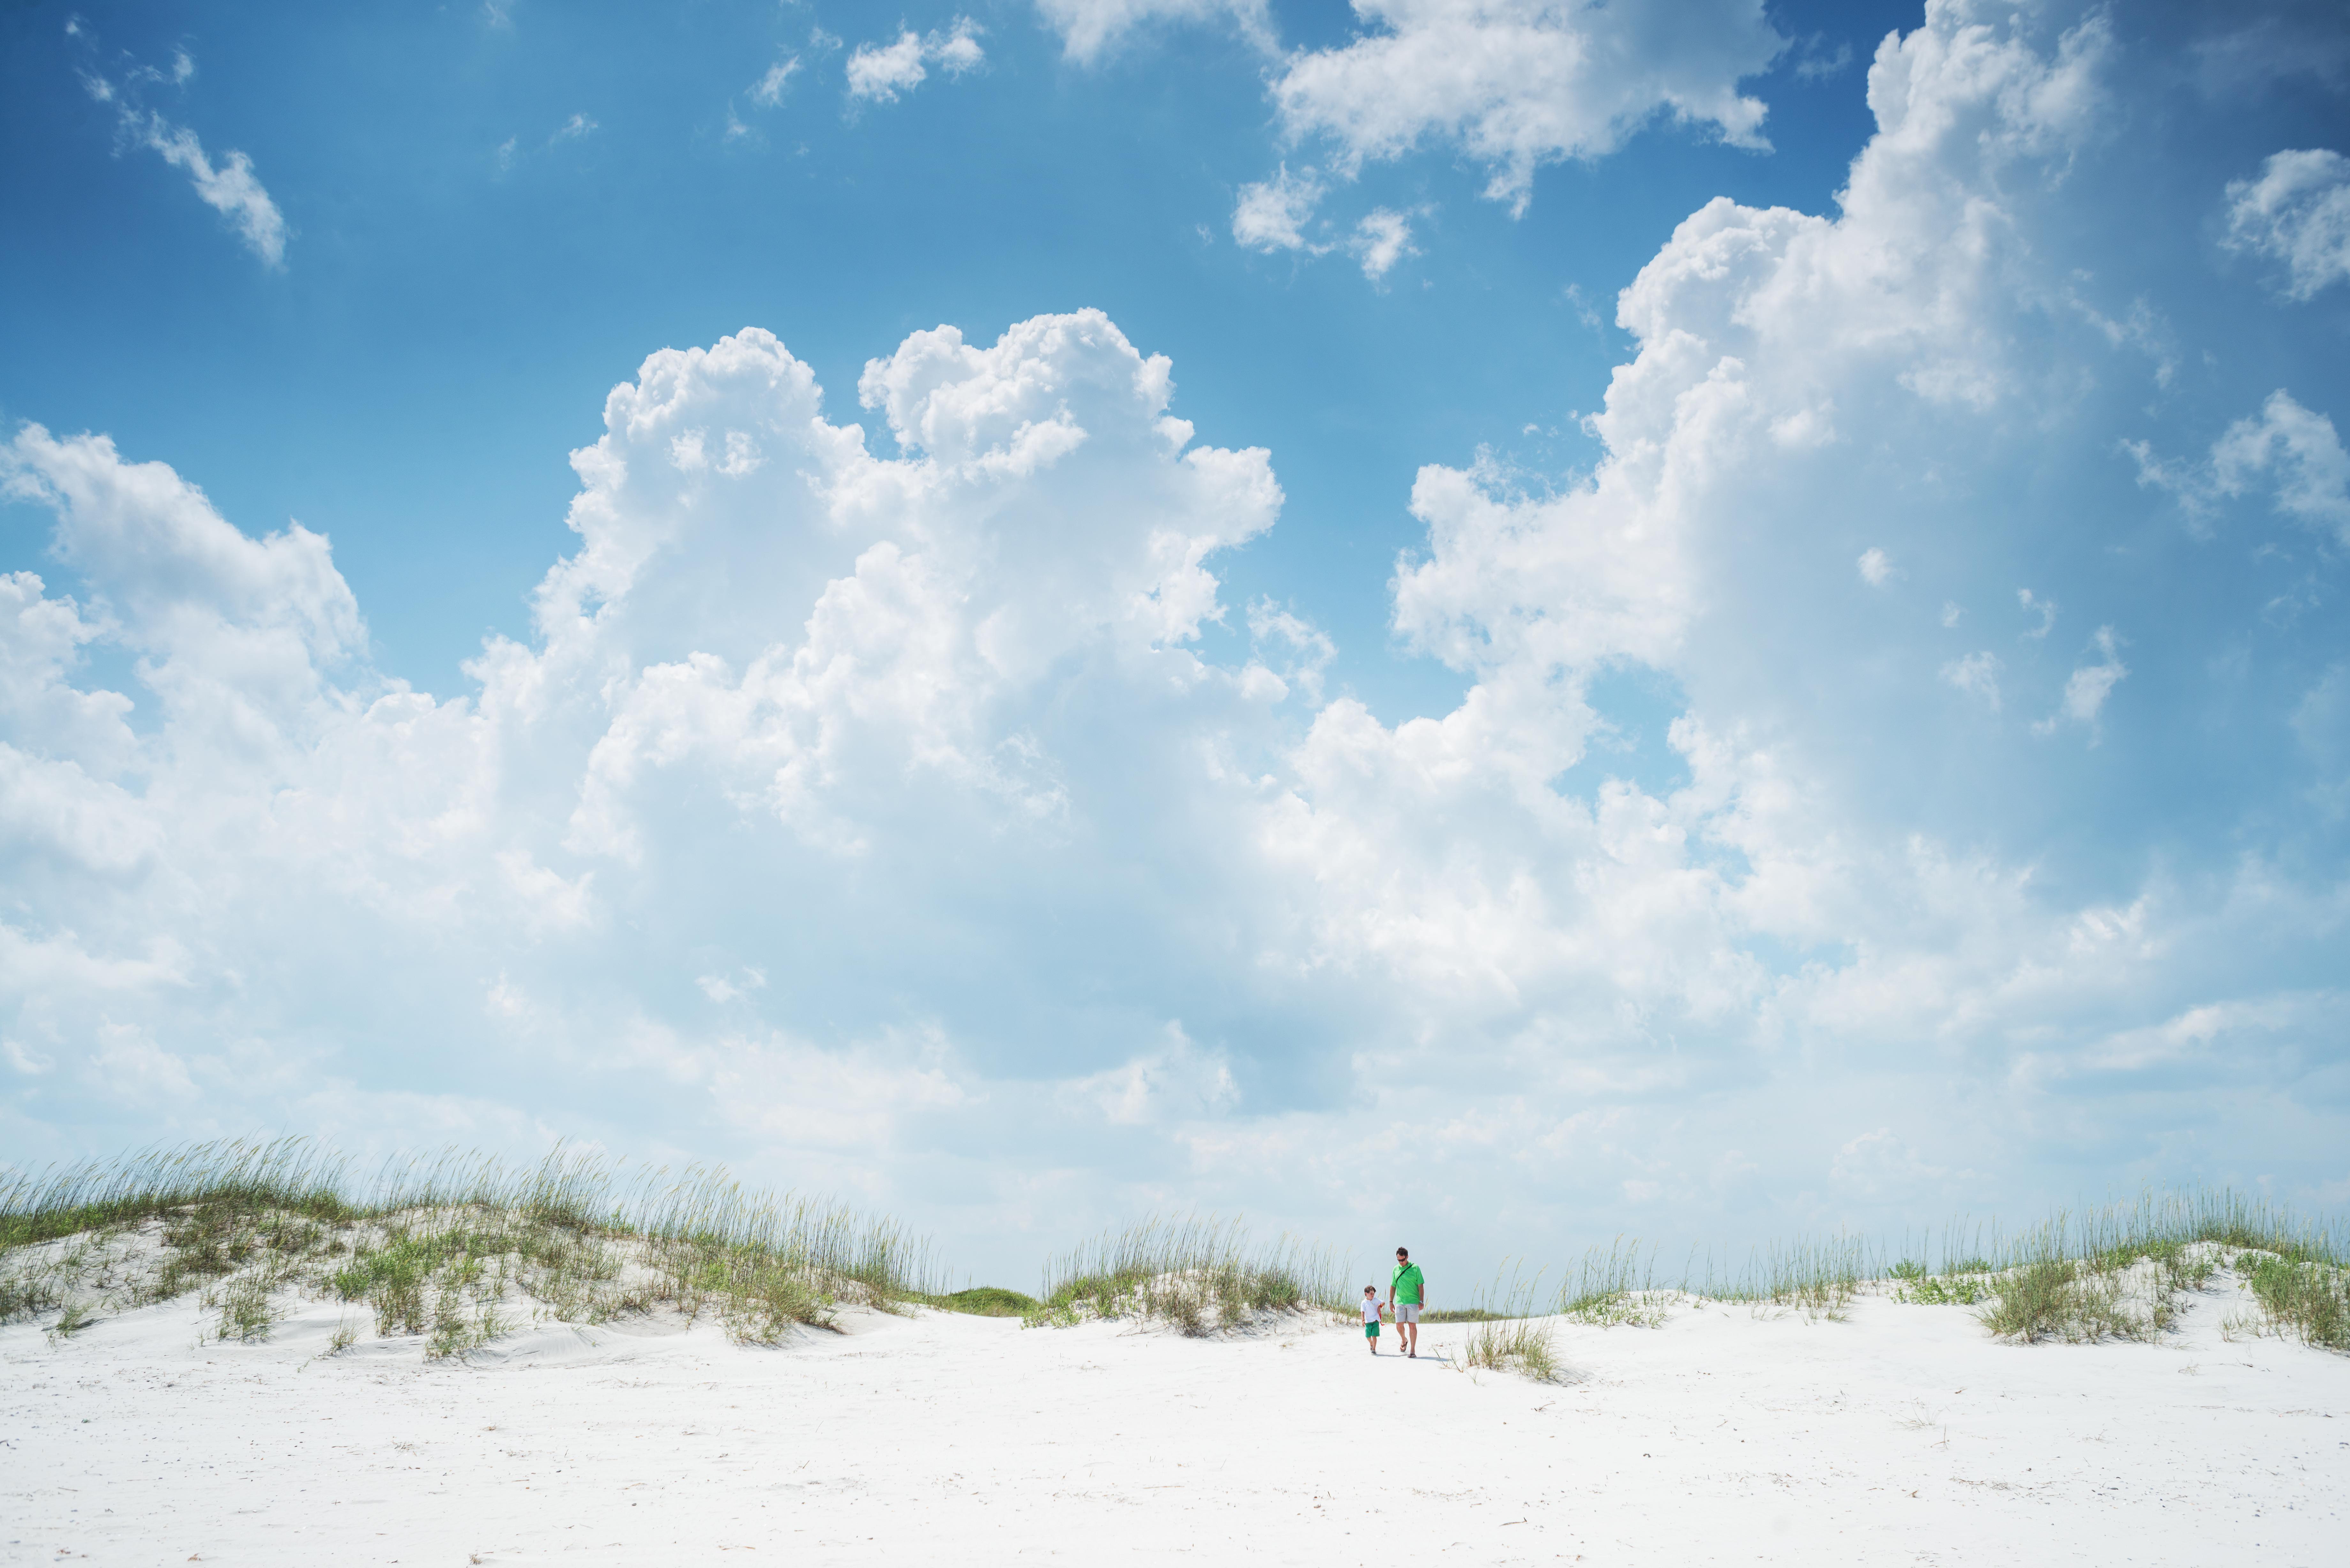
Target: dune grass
[[1817, 1276], [2118, 1271], [2304, 1298], [1615, 1287], [1512, 1332], [1200, 1275], [986, 1300], [454, 1250], [1623, 1284]]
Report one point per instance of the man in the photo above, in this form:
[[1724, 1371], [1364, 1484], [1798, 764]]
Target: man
[[1405, 1293]]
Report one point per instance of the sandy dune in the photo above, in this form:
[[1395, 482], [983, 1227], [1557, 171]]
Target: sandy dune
[[1902, 1436]]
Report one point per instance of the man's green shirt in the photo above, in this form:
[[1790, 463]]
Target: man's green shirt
[[1407, 1284]]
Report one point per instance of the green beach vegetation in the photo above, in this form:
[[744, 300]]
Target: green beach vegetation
[[2114, 1272], [455, 1250], [1201, 1276], [986, 1301], [1508, 1330]]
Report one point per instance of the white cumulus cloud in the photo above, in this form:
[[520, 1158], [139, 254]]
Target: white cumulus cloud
[[1515, 84], [855, 808], [877, 73], [2300, 450], [1381, 239], [1273, 214]]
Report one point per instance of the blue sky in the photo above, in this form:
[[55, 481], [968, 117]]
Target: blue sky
[[1677, 680]]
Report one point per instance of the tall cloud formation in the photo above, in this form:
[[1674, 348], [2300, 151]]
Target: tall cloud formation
[[873, 809]]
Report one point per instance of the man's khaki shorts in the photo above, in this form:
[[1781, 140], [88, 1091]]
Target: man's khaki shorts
[[1406, 1311]]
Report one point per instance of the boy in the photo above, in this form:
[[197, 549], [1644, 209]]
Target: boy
[[1371, 1313]]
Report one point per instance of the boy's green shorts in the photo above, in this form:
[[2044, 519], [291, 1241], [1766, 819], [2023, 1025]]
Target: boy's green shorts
[[1370, 1330]]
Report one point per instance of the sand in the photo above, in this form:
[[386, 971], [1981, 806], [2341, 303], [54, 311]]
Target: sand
[[1904, 1434]]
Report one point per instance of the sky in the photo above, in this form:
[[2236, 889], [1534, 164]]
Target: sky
[[1487, 623]]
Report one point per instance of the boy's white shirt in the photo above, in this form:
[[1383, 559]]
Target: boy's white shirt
[[1372, 1311]]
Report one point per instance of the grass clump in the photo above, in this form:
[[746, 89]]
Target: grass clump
[[2300, 1299], [1616, 1287], [1937, 1289], [2071, 1299], [988, 1301], [246, 1312], [2119, 1273], [1818, 1279], [1201, 1276], [1511, 1333]]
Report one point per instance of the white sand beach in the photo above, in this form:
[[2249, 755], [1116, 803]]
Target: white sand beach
[[1903, 1435]]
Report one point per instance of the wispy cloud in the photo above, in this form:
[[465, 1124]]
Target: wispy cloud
[[2086, 691], [2291, 450], [228, 186], [768, 90], [1090, 29], [1815, 61], [2033, 604], [1977, 675], [2297, 213], [578, 128]]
